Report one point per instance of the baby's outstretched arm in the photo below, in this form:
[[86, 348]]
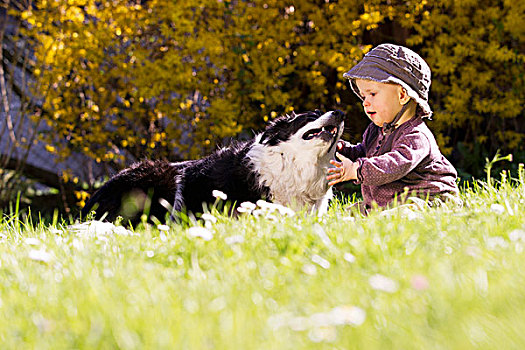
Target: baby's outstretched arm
[[344, 170], [350, 151]]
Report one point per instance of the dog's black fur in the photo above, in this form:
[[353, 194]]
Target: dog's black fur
[[185, 186]]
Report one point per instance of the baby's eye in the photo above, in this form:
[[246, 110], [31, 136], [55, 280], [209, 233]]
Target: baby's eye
[[372, 94]]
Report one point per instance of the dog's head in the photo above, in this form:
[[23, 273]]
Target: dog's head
[[292, 154], [306, 130]]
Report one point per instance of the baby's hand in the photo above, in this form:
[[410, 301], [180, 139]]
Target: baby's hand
[[343, 171]]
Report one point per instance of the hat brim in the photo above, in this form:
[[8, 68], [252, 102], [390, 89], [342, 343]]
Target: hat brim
[[380, 76]]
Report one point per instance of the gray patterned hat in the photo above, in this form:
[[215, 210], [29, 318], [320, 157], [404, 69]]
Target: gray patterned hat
[[388, 63]]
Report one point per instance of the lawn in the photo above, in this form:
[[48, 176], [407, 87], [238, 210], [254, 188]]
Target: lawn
[[440, 278]]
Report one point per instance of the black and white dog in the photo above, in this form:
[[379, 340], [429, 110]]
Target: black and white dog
[[285, 164]]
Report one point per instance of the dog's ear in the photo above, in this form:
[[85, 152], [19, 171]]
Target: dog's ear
[[264, 138], [276, 130], [268, 138]]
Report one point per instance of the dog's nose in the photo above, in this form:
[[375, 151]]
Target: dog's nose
[[338, 113]]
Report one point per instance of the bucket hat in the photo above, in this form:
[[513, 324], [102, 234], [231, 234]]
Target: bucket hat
[[389, 63]]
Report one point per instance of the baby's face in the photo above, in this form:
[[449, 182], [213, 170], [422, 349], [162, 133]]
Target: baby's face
[[381, 102]]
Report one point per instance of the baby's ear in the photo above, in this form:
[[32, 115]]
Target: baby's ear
[[403, 95]]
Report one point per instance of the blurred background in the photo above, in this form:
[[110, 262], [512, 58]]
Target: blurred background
[[88, 87]]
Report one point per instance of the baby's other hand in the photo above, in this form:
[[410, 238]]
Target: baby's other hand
[[342, 145], [342, 171]]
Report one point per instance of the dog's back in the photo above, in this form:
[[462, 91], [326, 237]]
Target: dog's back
[[137, 189], [159, 188]]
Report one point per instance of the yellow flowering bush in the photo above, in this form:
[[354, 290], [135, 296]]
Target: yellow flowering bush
[[125, 79], [121, 79], [476, 50]]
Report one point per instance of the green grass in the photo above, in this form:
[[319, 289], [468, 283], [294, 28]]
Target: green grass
[[447, 279]]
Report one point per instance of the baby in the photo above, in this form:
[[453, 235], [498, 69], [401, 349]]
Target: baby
[[399, 153]]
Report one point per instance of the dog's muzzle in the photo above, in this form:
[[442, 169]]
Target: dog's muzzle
[[326, 133], [329, 131]]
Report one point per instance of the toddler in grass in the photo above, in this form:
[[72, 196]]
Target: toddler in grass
[[399, 154]]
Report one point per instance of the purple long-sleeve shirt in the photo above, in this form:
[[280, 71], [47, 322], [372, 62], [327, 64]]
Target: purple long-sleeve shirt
[[408, 158]]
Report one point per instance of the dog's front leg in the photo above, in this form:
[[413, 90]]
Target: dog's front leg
[[321, 206]]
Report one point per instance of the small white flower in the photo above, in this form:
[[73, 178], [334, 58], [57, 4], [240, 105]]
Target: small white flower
[[122, 231], [150, 253], [99, 228], [497, 208], [517, 235], [55, 231], [102, 239], [351, 315], [496, 242], [258, 212], [325, 264], [248, 205], [323, 334], [77, 244], [473, 251], [284, 210], [242, 210], [271, 217], [349, 257], [201, 232], [217, 304], [32, 241], [271, 207], [412, 215], [219, 195], [299, 323], [309, 269], [191, 306], [209, 217], [419, 282], [263, 204], [319, 230], [162, 227], [383, 283], [338, 316], [40, 255], [234, 239], [90, 228]]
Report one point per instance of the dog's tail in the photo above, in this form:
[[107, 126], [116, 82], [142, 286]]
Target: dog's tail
[[148, 187]]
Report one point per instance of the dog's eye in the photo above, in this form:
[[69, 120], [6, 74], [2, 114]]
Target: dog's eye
[[311, 118]]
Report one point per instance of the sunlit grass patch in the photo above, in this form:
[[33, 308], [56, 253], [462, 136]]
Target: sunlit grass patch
[[445, 278]]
